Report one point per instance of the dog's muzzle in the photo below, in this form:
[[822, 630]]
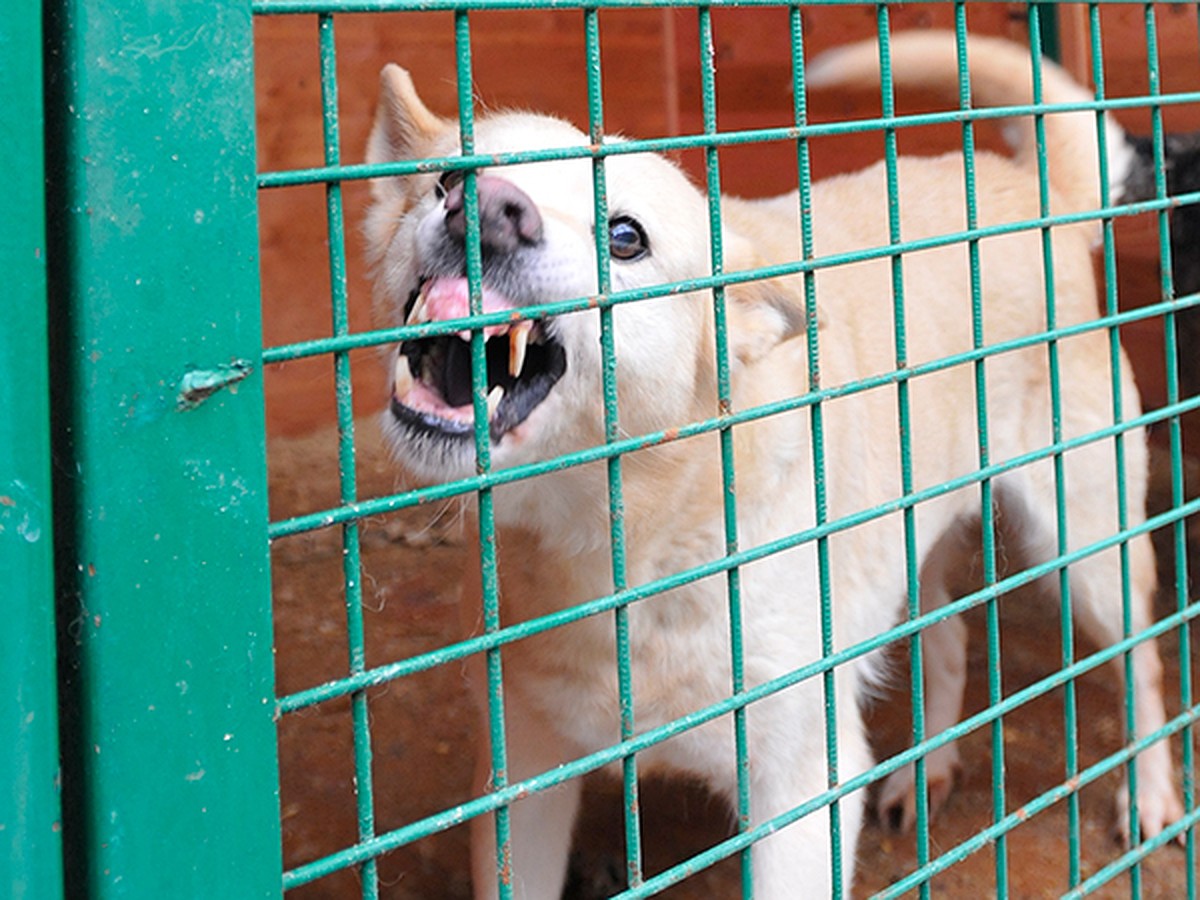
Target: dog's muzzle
[[432, 383]]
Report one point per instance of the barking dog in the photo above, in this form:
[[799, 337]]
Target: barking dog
[[1000, 76], [537, 239]]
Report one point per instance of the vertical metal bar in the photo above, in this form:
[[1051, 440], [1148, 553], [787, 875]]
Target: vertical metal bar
[[817, 425], [612, 432], [1174, 428], [29, 810], [912, 563], [1111, 307], [725, 405], [347, 480], [987, 510], [483, 455], [170, 775], [1066, 619]]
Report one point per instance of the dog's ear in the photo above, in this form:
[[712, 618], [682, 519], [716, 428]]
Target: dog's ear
[[762, 315], [404, 127]]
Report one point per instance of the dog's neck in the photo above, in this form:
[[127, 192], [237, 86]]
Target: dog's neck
[[663, 491]]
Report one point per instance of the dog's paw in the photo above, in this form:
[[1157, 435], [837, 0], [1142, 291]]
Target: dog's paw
[[897, 805], [1159, 803]]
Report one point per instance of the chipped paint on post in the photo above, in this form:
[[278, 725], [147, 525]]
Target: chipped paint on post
[[198, 385]]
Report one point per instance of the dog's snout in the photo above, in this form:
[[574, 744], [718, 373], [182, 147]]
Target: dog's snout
[[507, 215]]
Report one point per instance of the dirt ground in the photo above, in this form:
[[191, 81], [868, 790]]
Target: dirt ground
[[423, 727]]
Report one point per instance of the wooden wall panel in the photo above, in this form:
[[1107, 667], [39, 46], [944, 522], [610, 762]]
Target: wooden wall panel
[[754, 86]]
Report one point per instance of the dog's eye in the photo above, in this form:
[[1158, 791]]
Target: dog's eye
[[446, 181], [626, 239]]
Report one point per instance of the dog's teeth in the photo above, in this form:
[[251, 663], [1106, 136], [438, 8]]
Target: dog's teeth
[[518, 342], [404, 377], [493, 400], [419, 313]]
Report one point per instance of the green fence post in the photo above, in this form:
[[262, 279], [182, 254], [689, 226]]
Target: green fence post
[[29, 811], [170, 775]]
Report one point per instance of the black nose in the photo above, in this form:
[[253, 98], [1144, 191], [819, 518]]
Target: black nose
[[507, 216]]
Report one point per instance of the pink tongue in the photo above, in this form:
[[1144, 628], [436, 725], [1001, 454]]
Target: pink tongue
[[449, 298]]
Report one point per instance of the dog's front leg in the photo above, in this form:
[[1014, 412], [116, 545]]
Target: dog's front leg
[[1158, 802], [540, 825], [945, 655], [799, 859]]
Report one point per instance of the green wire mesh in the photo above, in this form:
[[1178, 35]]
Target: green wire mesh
[[495, 636]]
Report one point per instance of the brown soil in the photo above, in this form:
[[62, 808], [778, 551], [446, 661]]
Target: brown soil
[[423, 727]]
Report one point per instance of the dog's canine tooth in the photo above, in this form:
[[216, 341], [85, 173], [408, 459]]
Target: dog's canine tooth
[[403, 377], [518, 342], [419, 313], [495, 395]]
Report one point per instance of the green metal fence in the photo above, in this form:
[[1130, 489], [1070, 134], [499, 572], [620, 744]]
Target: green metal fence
[[165, 692], [29, 814], [144, 387]]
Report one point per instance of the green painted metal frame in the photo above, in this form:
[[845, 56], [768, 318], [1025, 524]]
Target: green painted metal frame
[[495, 638], [169, 770], [31, 861]]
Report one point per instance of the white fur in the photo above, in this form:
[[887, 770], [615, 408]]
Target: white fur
[[560, 688], [1000, 76]]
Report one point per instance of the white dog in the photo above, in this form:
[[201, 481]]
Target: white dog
[[537, 238], [1000, 73]]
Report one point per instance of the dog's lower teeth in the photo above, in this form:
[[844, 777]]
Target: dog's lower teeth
[[403, 377], [518, 342], [495, 395]]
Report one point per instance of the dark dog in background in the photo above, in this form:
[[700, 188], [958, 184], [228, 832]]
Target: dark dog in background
[[1181, 166]]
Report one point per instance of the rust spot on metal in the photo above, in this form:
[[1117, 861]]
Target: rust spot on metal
[[506, 865]]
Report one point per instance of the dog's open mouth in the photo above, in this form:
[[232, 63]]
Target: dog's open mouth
[[432, 387]]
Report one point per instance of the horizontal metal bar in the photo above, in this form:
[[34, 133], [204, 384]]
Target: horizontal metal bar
[[393, 503], [360, 171], [1047, 799], [739, 842], [975, 477], [376, 337], [412, 665], [1135, 855], [293, 7], [614, 753]]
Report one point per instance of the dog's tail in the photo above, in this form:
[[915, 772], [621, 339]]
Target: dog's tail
[[1001, 75]]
